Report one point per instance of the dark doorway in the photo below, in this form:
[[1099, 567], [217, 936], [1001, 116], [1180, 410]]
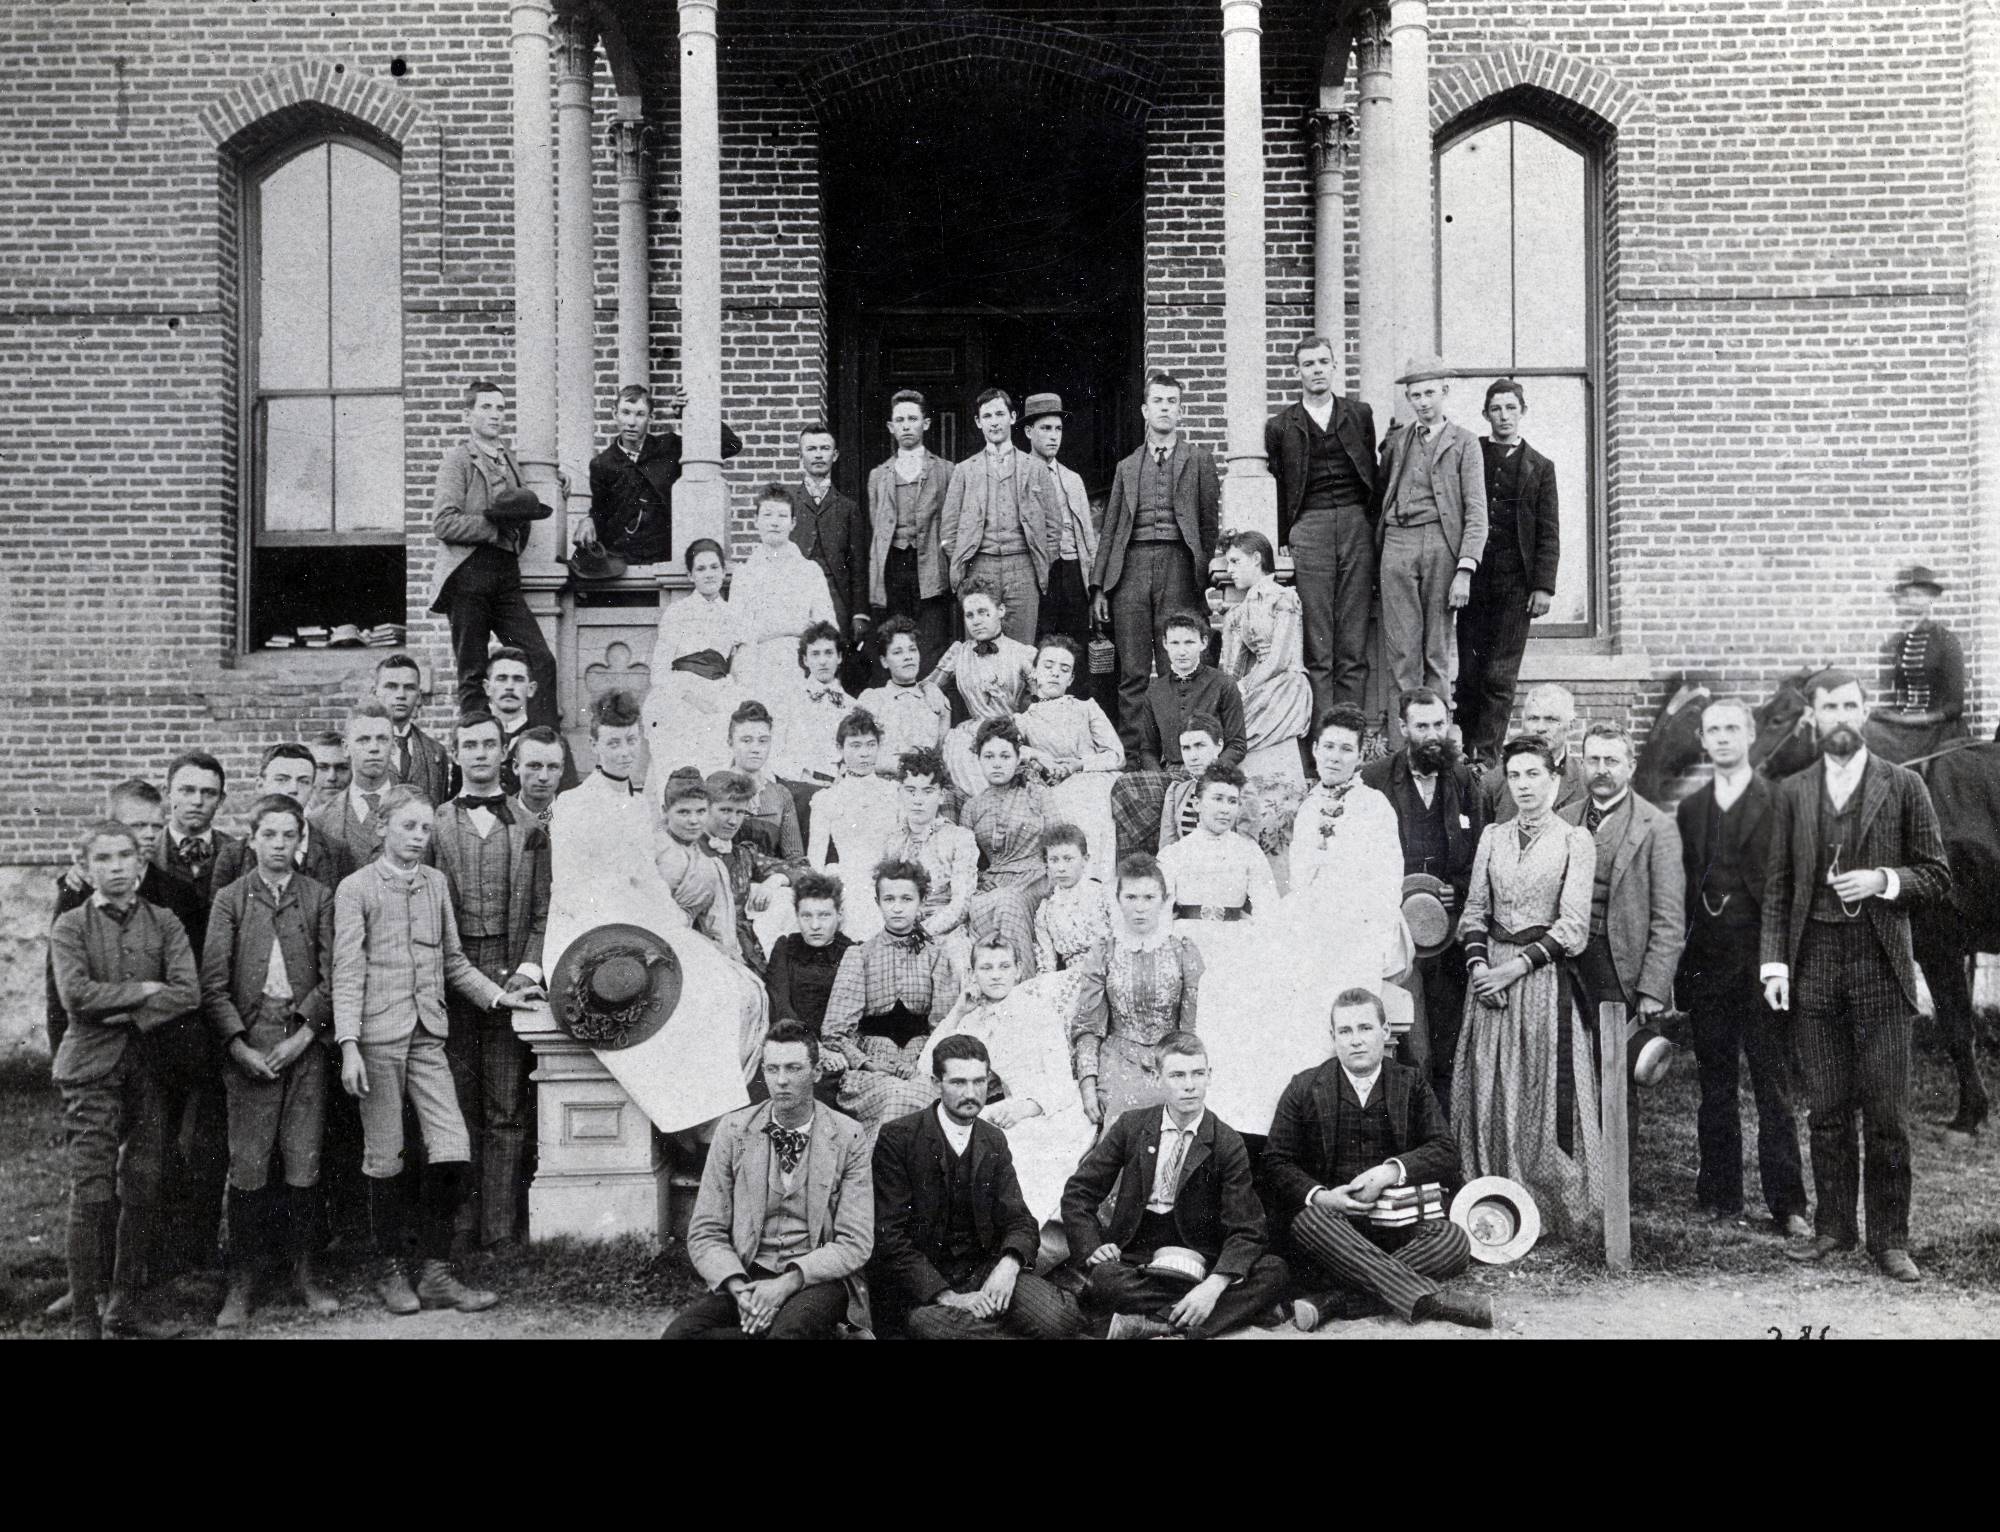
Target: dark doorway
[[989, 238]]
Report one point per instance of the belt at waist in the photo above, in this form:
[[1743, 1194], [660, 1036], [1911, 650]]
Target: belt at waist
[[709, 664], [898, 1025], [1212, 911], [1527, 936]]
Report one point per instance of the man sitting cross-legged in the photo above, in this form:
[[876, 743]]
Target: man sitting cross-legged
[[954, 1241], [1343, 1134], [1183, 1182]]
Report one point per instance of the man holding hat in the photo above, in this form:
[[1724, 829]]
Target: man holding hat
[[480, 512], [1066, 598], [1430, 530], [632, 487], [998, 513]]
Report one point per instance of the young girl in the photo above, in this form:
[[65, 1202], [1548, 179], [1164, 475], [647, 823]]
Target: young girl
[[1074, 747], [854, 818], [993, 673], [1007, 821], [687, 709], [1076, 915]]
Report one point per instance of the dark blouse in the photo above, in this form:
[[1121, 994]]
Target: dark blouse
[[801, 978]]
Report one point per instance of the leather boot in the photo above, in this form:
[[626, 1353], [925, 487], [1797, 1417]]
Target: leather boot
[[438, 1288], [84, 1263], [393, 1286], [1139, 1327], [303, 1203], [1473, 1310], [235, 1312]]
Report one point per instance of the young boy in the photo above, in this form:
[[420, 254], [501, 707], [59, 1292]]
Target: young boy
[[913, 714], [1076, 916], [1217, 876], [994, 676], [123, 967], [1191, 685], [289, 771], [855, 817], [265, 975], [753, 872], [395, 948], [773, 818]]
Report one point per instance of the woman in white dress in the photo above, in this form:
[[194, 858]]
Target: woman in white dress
[[1263, 650], [1075, 748], [687, 709], [778, 593]]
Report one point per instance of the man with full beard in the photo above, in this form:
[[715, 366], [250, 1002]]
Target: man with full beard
[[1440, 814], [1854, 848]]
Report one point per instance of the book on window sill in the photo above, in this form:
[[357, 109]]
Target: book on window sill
[[279, 641]]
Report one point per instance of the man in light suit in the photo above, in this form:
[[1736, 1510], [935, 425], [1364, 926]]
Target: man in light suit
[[998, 511], [1854, 848], [906, 569], [1321, 449], [1430, 530], [1160, 527], [1067, 597], [785, 1219], [354, 819], [496, 866]]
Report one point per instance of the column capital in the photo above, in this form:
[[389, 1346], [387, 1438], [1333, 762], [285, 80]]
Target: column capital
[[575, 46], [1329, 135], [1242, 16], [1371, 40], [632, 139]]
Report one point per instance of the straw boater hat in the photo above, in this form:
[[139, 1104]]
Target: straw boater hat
[[1499, 1217], [1039, 405], [513, 505], [1177, 1263], [615, 986], [1427, 913]]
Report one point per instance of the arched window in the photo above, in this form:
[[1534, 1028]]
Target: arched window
[[323, 350], [1520, 284]]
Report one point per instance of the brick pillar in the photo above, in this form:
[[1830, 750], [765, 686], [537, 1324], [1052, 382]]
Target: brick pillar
[[631, 147], [534, 273], [1982, 146], [1410, 115], [576, 297], [701, 499], [1329, 136], [1249, 494], [1374, 214]]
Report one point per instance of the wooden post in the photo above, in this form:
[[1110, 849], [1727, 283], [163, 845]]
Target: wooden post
[[1614, 1153]]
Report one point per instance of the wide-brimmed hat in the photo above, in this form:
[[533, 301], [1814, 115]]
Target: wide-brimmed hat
[[1039, 405], [1421, 369], [1499, 1217], [615, 986], [1920, 576], [1177, 1263], [594, 561], [1427, 912], [517, 505]]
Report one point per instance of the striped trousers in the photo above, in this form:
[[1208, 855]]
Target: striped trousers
[[1434, 1253]]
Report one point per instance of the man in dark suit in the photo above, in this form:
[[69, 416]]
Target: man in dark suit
[[1183, 1181], [189, 848], [1549, 711], [354, 819], [1440, 814], [1725, 829], [830, 529], [496, 864], [1321, 449], [1160, 527], [1343, 1134], [1516, 577], [954, 1242], [632, 480], [421, 761], [1854, 848]]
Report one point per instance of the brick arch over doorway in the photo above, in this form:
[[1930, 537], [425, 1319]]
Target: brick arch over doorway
[[334, 83], [907, 66]]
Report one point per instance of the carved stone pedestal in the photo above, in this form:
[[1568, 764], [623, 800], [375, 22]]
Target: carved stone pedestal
[[600, 1171]]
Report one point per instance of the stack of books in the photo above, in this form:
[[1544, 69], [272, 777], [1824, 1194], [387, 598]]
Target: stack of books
[[384, 635], [346, 635], [314, 637], [280, 641], [1408, 1204]]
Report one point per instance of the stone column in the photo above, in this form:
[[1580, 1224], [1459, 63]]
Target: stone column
[[1249, 494], [631, 147], [576, 295], [1329, 136], [1415, 255], [1375, 215], [534, 273], [701, 500], [1982, 160]]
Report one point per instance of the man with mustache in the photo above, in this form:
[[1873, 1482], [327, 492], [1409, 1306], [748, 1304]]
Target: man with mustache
[[1440, 814], [1854, 848]]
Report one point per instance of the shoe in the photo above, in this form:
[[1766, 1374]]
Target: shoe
[[1473, 1310], [236, 1305], [1822, 1247], [1794, 1226], [1138, 1327], [1897, 1266], [126, 1325], [306, 1288], [1316, 1309], [398, 1297], [437, 1288]]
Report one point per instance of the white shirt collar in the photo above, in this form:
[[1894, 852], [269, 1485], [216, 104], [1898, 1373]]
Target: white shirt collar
[[1321, 413], [357, 799], [277, 887], [1364, 1085], [1167, 1122], [1842, 778], [1151, 943], [206, 837], [954, 1135], [1729, 786], [1605, 810]]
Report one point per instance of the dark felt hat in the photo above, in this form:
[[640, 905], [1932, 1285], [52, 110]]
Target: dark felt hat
[[1039, 405], [512, 505], [1920, 576], [594, 561]]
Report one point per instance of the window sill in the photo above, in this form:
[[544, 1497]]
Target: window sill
[[1581, 659], [317, 665]]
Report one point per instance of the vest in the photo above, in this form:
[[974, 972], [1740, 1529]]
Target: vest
[[906, 510], [1425, 848], [1415, 502], [1607, 847], [1331, 480], [960, 1235], [1726, 877], [1836, 829], [1155, 521], [1361, 1138], [786, 1234], [482, 893], [1002, 535], [1503, 502]]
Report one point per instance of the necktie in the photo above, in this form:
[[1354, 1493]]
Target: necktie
[[1160, 456], [1592, 818], [194, 852], [374, 802], [403, 758], [986, 646], [790, 1144]]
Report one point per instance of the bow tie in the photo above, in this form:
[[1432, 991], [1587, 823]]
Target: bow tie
[[790, 1144], [986, 646], [194, 852], [917, 939], [821, 693], [495, 805]]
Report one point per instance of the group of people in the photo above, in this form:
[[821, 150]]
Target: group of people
[[1019, 1018]]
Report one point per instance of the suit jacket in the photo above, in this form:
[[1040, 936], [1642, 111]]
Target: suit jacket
[[242, 924], [335, 822], [962, 523], [1537, 519], [326, 862], [834, 535], [1288, 447], [431, 766], [1197, 507], [528, 883], [1464, 811], [1748, 826], [1071, 503], [106, 1013], [632, 503], [1896, 829], [1300, 1152], [727, 1224], [467, 482], [1215, 1206], [1500, 808], [167, 857], [912, 1192], [1645, 923], [932, 574], [176, 896], [1458, 480]]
